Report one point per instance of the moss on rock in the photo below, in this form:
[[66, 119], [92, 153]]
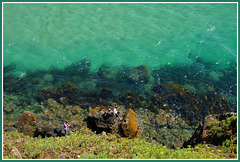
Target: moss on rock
[[26, 123], [129, 124]]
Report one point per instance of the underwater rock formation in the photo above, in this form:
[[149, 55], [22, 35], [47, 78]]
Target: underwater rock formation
[[66, 94], [69, 92], [129, 124], [215, 129], [26, 123], [47, 93], [56, 113], [139, 74], [192, 107], [199, 80], [79, 68], [103, 119], [105, 71], [105, 93]]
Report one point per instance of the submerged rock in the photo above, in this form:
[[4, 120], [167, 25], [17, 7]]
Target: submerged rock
[[140, 74], [47, 93], [66, 94], [190, 106], [80, 68], [106, 71], [166, 119]]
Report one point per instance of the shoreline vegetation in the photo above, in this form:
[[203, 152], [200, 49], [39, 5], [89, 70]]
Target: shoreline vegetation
[[168, 108], [85, 144]]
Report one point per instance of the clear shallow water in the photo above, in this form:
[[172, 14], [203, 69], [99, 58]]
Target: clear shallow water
[[43, 35], [168, 38]]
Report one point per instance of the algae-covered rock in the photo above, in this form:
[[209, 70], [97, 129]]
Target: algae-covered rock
[[66, 94], [26, 123], [215, 129], [129, 124], [161, 119], [218, 128], [47, 93], [77, 122], [47, 115], [75, 110], [8, 109]]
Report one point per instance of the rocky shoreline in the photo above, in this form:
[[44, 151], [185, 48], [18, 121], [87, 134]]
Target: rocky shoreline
[[166, 113], [214, 132]]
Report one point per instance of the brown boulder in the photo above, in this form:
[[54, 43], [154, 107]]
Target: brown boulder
[[26, 123], [103, 119], [129, 124], [50, 131]]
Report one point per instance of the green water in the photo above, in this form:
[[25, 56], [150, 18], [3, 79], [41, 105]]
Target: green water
[[38, 36]]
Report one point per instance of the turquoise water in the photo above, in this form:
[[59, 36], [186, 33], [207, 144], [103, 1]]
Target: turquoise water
[[184, 43], [38, 36]]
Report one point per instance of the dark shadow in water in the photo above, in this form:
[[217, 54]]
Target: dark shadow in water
[[136, 86]]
